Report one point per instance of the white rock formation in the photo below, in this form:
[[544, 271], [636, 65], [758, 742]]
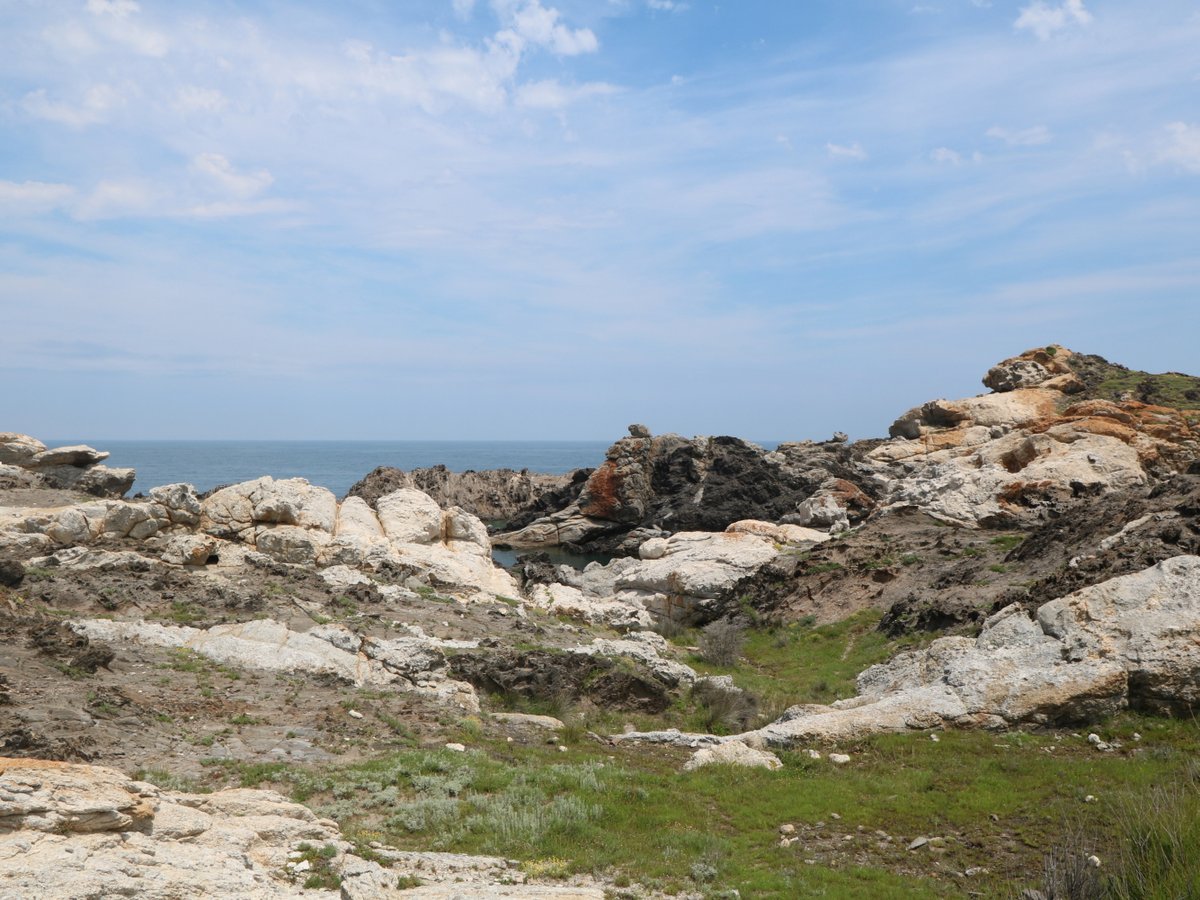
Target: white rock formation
[[733, 753], [1132, 640], [410, 664]]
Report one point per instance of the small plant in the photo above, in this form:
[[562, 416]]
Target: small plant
[[550, 867], [821, 568], [721, 642], [244, 719], [1006, 542], [909, 559], [320, 875]]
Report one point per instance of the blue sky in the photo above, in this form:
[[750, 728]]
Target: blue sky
[[540, 219]]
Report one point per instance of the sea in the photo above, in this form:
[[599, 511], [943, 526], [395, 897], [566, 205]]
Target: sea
[[333, 464]]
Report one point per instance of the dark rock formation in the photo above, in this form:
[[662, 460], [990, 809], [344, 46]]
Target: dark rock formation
[[561, 677], [490, 494], [671, 483]]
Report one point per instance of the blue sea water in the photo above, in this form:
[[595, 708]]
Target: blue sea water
[[332, 464]]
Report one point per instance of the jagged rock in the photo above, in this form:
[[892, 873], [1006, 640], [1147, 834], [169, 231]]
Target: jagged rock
[[647, 648], [489, 494], [676, 484], [180, 502], [546, 675], [564, 600], [733, 753]]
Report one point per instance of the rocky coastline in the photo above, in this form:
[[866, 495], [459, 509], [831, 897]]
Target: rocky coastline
[[1035, 549]]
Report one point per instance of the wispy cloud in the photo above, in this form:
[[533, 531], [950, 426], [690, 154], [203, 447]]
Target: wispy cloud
[[853, 151], [1045, 21], [1023, 137], [1183, 146]]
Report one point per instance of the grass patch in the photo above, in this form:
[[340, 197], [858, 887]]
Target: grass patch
[[801, 664], [996, 801]]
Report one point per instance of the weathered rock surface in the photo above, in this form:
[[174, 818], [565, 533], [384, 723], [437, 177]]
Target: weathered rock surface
[[408, 664], [490, 494], [1130, 641], [733, 753], [673, 483], [74, 468]]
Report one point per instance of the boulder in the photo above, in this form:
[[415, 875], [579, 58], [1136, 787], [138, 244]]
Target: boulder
[[19, 449], [733, 753]]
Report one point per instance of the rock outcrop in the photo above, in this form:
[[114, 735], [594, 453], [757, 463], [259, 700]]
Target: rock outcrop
[[26, 461], [492, 494], [1132, 641], [653, 486]]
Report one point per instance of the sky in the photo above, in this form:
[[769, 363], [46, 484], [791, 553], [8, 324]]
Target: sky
[[547, 219]]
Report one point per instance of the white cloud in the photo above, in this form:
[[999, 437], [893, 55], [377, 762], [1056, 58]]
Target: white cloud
[[551, 94], [32, 197], [1184, 147], [1025, 137], [93, 107], [190, 98], [1044, 20], [115, 20], [530, 22], [220, 171], [464, 8], [667, 5], [946, 156], [853, 151], [112, 199], [118, 8]]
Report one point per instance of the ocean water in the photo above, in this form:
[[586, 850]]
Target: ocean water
[[332, 464]]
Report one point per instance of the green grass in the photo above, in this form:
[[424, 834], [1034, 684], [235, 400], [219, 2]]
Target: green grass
[[998, 801], [800, 664], [1170, 389]]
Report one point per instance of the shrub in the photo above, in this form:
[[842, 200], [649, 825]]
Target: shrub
[[721, 642]]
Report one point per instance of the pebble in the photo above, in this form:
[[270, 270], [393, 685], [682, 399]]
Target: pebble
[[787, 829], [562, 748], [1090, 798], [918, 843], [813, 754], [1094, 862], [934, 738], [834, 816], [839, 759], [457, 748], [976, 870], [354, 714]]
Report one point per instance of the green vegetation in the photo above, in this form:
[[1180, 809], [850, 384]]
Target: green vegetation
[[1171, 389], [1007, 542], [995, 801], [318, 874], [800, 664]]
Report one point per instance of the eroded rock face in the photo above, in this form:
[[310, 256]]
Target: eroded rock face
[[1030, 448], [490, 494], [670, 483]]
